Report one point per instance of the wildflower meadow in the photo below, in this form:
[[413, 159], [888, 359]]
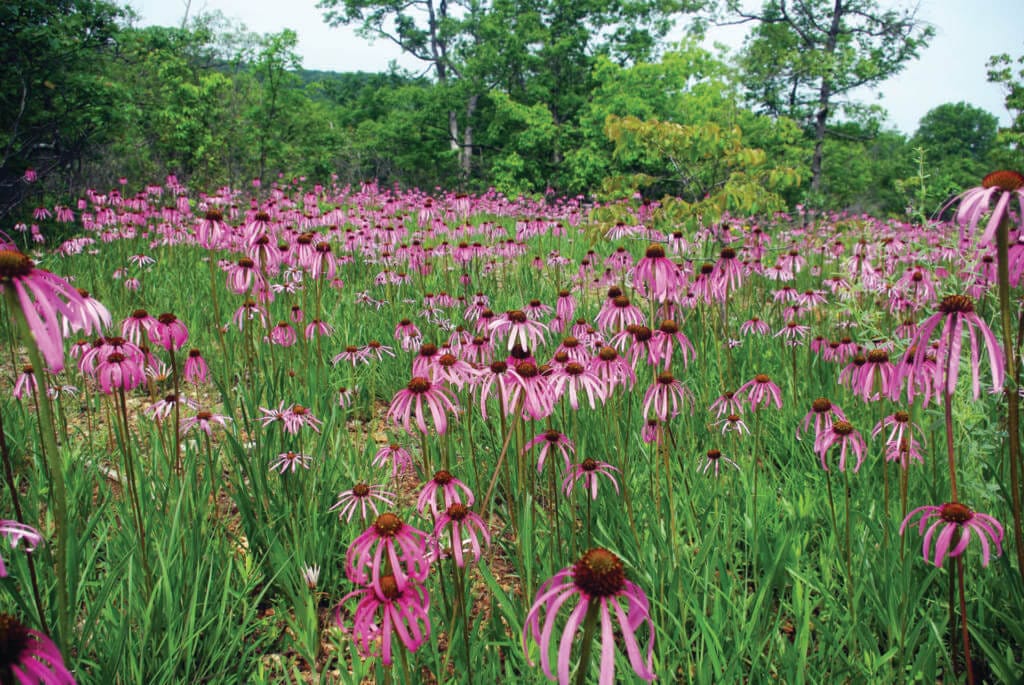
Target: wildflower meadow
[[326, 433]]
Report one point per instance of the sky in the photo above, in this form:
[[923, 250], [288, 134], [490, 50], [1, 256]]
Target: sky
[[951, 69]]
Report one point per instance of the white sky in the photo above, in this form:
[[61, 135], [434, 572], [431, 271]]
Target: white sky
[[951, 69]]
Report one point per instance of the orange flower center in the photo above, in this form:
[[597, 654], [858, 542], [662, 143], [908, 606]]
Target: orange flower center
[[1004, 179], [599, 573], [387, 525], [14, 264], [843, 428], [959, 304], [954, 512]]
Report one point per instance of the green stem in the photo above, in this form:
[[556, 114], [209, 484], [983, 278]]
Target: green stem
[[586, 648], [1010, 385], [963, 620], [20, 515], [56, 467]]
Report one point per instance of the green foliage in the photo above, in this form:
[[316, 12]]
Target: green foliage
[[54, 98], [801, 60], [1001, 70], [955, 146]]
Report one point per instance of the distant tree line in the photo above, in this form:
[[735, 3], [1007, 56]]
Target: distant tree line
[[526, 96]]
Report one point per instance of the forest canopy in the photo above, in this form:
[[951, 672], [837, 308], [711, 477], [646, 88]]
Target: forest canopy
[[527, 97]]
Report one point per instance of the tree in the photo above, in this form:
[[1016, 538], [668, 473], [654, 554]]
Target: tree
[[957, 130], [426, 29], [801, 58], [54, 102], [956, 142], [1000, 70]]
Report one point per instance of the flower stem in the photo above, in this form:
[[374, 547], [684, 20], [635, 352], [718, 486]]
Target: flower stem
[[20, 515], [963, 620], [1010, 384], [55, 462], [589, 630]]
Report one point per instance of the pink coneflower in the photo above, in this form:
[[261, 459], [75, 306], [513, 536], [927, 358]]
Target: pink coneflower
[[955, 523], [793, 333], [418, 397], [242, 275], [726, 403], [760, 391], [90, 309], [465, 529], [425, 359], [520, 329], [352, 355], [290, 461], [196, 370], [361, 497], [975, 202], [407, 335], [537, 310], [613, 369], [453, 371], [573, 379], [876, 378], [635, 343], [599, 583], [297, 417], [551, 440], [728, 269], [382, 614], [116, 371], [389, 539], [26, 382], [168, 332], [656, 276], [665, 397], [395, 456], [495, 378], [587, 472], [707, 286], [377, 350], [283, 334], [823, 413], [532, 388], [733, 423], [249, 311], [162, 409], [662, 347], [755, 326], [451, 489], [957, 316], [652, 431], [713, 461], [317, 327], [17, 532], [618, 312], [900, 425], [204, 421], [29, 657], [841, 433], [565, 305], [346, 396], [41, 296]]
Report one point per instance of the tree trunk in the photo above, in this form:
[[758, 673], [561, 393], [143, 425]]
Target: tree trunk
[[466, 157], [824, 96], [819, 135]]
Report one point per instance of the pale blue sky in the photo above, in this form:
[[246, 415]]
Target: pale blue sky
[[951, 69]]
